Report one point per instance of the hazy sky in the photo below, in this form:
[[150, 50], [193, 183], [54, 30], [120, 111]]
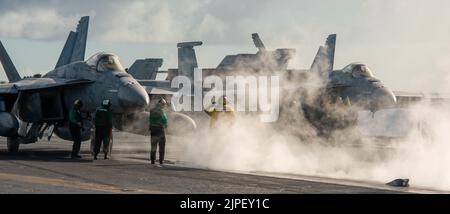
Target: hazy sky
[[404, 42]]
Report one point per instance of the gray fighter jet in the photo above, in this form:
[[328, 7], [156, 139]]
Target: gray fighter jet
[[339, 94], [342, 92], [30, 106]]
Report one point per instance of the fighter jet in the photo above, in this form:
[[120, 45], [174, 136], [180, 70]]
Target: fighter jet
[[342, 93], [30, 106], [351, 89]]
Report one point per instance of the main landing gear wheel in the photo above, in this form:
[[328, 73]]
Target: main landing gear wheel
[[12, 144]]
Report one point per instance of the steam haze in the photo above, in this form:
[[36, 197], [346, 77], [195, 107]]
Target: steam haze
[[420, 153]]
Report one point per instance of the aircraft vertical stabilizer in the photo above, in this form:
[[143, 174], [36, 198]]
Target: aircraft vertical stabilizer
[[324, 60], [8, 66], [331, 46], [258, 42], [75, 47], [145, 69], [187, 61]]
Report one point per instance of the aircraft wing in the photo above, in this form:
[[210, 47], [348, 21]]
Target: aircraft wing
[[157, 86], [30, 84], [400, 94], [408, 98]]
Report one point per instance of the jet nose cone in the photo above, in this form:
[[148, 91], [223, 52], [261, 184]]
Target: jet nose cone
[[133, 96], [383, 98]]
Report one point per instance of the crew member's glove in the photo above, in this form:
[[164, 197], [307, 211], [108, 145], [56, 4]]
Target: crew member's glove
[[110, 132]]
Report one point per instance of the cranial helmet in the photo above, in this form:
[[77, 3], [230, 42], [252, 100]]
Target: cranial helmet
[[78, 103], [106, 103]]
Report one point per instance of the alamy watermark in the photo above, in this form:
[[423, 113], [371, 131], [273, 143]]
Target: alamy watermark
[[244, 93]]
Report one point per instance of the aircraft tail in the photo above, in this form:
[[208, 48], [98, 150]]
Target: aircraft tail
[[187, 60], [145, 69], [258, 42], [8, 66], [331, 46], [75, 47], [324, 60]]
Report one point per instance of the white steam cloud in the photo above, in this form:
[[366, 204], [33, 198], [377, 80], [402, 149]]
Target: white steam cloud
[[422, 155]]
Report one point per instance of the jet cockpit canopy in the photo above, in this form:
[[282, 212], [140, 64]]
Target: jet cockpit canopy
[[358, 70], [105, 62]]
